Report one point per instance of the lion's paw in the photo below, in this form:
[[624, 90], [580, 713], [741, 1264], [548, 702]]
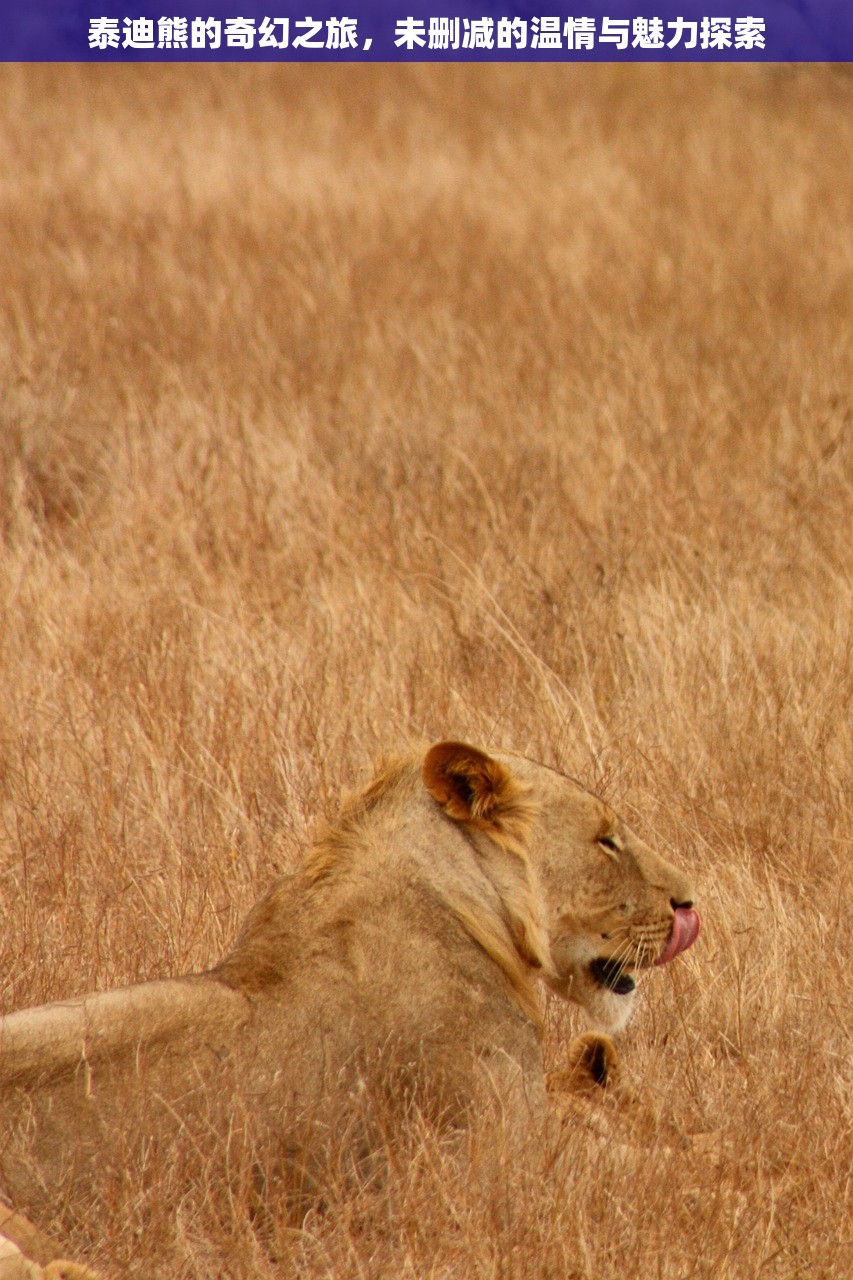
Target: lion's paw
[[593, 1064]]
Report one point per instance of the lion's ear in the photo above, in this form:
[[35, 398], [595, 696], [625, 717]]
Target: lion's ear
[[476, 789], [469, 785]]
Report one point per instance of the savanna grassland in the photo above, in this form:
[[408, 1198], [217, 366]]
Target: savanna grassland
[[346, 407]]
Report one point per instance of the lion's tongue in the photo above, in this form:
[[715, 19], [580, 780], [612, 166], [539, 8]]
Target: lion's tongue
[[685, 931]]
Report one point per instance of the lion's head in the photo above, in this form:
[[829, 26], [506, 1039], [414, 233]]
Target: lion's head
[[588, 903]]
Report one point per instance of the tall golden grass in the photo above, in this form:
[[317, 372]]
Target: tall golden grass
[[341, 407]]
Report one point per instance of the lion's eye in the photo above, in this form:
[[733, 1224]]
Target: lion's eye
[[609, 843]]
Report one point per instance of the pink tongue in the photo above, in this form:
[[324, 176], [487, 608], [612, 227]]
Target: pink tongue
[[685, 931]]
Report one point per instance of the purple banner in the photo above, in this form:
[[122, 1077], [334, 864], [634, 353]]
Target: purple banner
[[437, 30]]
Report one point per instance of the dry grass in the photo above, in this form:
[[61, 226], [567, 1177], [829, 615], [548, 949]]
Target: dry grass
[[344, 406]]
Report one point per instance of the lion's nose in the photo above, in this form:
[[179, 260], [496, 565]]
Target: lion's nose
[[675, 903]]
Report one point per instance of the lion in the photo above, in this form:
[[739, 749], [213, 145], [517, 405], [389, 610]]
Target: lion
[[405, 949]]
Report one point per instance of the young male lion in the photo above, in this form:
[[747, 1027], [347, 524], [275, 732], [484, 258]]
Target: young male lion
[[401, 956]]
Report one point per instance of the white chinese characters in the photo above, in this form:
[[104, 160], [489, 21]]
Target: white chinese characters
[[548, 33], [227, 33]]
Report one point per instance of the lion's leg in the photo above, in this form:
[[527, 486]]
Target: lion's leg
[[13, 1264], [32, 1242], [589, 1091], [26, 1253]]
